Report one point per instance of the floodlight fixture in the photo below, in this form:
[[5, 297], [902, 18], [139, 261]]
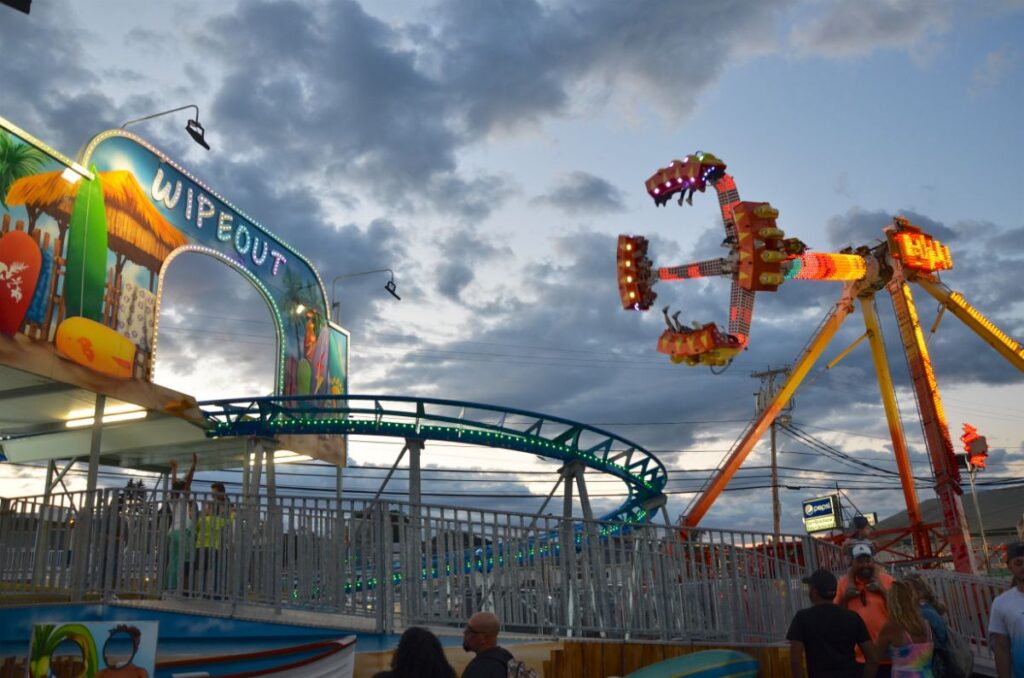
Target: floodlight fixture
[[389, 286], [193, 126]]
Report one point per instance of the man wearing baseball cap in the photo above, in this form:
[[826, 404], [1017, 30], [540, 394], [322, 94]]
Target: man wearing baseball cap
[[863, 590], [1006, 624], [828, 636]]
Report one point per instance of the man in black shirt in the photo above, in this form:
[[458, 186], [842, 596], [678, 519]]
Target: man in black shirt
[[481, 638], [827, 635]]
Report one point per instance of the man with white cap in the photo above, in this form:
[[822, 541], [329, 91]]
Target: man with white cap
[[863, 590]]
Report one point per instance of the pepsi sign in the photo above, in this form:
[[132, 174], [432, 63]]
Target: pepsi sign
[[821, 513]]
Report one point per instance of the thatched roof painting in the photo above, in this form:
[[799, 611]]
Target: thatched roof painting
[[47, 192], [136, 228]]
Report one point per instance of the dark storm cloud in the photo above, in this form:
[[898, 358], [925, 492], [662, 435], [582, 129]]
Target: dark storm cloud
[[45, 47], [462, 251], [389, 107], [149, 39], [330, 87], [581, 192], [511, 64], [858, 28], [1011, 240], [452, 278], [52, 87], [864, 227]]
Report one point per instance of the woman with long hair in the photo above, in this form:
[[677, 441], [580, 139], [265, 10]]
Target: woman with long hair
[[906, 637], [418, 655], [932, 609]]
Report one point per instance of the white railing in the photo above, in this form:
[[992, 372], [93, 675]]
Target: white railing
[[402, 564]]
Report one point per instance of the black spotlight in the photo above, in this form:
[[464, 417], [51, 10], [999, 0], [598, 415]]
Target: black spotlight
[[198, 134]]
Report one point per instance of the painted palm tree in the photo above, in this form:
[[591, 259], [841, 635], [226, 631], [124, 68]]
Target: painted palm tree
[[17, 160], [45, 641]]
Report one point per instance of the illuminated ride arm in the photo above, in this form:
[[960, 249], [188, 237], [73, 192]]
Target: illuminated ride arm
[[1005, 345], [720, 479], [758, 253]]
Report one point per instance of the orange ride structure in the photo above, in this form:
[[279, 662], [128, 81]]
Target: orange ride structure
[[760, 259]]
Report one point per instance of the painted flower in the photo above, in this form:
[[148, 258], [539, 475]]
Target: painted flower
[[8, 275]]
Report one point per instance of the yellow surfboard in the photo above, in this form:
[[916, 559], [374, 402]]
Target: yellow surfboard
[[96, 346]]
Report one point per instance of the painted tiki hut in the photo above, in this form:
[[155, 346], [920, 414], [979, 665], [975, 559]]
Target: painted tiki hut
[[137, 231]]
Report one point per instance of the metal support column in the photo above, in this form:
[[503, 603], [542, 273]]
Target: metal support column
[[83, 539], [413, 583], [94, 446], [271, 476], [256, 452], [42, 539], [803, 366], [339, 484], [568, 546], [933, 421], [922, 544], [247, 469], [971, 470]]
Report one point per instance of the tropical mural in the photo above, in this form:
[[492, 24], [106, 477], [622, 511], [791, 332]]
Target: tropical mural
[[81, 261]]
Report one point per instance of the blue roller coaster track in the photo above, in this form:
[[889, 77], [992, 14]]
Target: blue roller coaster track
[[454, 421]]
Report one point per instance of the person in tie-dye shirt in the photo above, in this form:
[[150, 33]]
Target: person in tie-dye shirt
[[1006, 625]]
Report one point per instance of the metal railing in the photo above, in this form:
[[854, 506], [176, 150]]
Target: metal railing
[[453, 420], [968, 600], [404, 564]]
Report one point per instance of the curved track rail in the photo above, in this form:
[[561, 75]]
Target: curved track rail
[[455, 421]]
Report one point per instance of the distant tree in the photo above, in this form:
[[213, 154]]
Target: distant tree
[[17, 160]]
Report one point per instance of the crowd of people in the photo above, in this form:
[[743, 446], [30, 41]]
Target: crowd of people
[[866, 623]]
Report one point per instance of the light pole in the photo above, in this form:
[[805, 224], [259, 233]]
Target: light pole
[[389, 286], [194, 129]]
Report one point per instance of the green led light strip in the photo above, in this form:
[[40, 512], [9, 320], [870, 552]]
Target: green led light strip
[[644, 475]]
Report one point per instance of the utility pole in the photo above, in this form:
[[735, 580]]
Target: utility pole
[[764, 396]]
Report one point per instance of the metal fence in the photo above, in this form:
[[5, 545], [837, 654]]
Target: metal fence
[[407, 564], [968, 601]]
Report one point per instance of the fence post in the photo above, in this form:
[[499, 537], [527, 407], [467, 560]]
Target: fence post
[[810, 553], [384, 607]]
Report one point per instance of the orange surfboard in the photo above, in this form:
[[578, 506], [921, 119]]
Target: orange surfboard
[[96, 346], [20, 265]]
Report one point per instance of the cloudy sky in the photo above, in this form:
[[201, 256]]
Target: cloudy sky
[[490, 152]]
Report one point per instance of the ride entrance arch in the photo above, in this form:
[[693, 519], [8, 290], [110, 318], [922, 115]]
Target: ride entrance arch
[[227, 350], [84, 246]]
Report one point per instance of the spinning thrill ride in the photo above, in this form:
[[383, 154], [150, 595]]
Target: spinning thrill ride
[[760, 259]]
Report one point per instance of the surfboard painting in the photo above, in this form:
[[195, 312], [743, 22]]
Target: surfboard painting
[[96, 346], [87, 253], [20, 265], [705, 664]]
